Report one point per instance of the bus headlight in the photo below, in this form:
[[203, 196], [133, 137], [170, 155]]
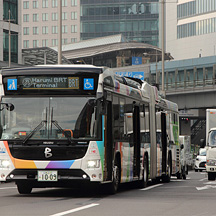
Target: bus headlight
[[93, 164], [4, 163], [211, 162]]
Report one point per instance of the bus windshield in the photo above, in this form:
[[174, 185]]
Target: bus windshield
[[65, 118]]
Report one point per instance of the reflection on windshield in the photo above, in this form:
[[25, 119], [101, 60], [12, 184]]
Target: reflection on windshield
[[212, 140], [50, 118]]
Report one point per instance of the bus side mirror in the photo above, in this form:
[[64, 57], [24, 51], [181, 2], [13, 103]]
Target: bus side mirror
[[182, 146], [202, 143]]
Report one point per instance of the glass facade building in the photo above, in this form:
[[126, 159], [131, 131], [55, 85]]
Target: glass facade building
[[11, 5], [137, 21]]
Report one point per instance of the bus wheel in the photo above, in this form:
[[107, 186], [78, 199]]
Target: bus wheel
[[144, 181], [211, 176], [24, 188], [167, 177], [114, 186]]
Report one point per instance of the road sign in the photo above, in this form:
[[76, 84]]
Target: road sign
[[134, 74], [136, 60]]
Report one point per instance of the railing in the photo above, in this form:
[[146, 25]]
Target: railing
[[189, 85]]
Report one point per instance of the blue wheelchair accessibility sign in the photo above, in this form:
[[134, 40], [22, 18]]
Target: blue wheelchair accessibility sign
[[88, 84], [12, 84]]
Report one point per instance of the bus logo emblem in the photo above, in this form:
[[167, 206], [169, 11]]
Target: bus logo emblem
[[12, 84], [47, 152], [26, 82]]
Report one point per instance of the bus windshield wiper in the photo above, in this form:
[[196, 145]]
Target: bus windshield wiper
[[37, 128], [62, 130]]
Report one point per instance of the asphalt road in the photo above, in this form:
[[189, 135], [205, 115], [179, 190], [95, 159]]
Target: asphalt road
[[195, 196]]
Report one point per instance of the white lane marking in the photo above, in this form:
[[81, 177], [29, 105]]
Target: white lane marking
[[4, 188], [203, 179], [210, 183], [205, 187], [150, 187], [75, 210]]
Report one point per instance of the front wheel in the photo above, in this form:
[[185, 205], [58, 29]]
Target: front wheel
[[24, 188], [114, 186]]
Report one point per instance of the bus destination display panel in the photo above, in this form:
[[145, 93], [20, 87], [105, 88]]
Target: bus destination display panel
[[51, 84]]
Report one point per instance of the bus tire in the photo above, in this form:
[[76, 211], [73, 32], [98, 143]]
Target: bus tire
[[144, 181], [211, 176], [166, 178], [24, 188], [114, 186]]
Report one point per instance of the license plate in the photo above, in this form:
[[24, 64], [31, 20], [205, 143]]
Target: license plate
[[47, 176]]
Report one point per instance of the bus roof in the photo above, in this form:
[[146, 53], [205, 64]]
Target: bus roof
[[52, 69]]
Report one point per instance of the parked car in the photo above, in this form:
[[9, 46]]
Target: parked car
[[200, 160]]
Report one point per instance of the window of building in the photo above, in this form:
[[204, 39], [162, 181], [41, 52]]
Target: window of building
[[54, 29], [35, 17], [73, 2], [45, 30], [25, 17], [64, 3], [64, 41], [74, 15], [64, 29], [45, 16], [35, 30], [54, 3], [14, 46], [45, 42], [73, 40], [54, 42], [26, 5], [35, 43], [11, 5], [73, 28], [64, 16], [35, 4], [45, 4], [26, 31], [54, 16], [26, 44]]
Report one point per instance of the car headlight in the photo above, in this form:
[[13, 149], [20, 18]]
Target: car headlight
[[93, 164], [4, 163]]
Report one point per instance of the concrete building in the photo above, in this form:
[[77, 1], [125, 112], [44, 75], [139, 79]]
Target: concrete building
[[40, 22], [191, 28], [14, 8]]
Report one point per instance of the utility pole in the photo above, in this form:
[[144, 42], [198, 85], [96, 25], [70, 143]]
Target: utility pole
[[163, 31], [9, 41], [59, 31]]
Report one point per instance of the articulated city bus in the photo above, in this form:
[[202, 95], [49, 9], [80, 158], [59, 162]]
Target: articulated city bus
[[61, 125]]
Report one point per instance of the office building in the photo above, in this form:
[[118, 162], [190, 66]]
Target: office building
[[191, 28], [136, 20], [10, 19], [40, 22]]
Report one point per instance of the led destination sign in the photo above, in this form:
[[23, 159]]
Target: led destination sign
[[49, 82]]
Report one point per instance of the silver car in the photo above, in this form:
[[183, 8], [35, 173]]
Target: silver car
[[200, 160]]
